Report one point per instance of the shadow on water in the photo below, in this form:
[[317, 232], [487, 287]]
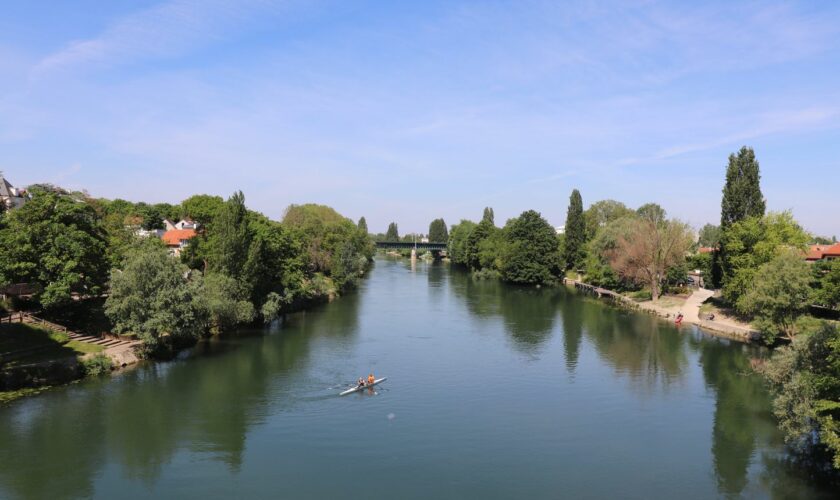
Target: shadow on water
[[143, 417]]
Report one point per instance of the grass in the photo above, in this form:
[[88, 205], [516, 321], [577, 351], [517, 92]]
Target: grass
[[39, 344]]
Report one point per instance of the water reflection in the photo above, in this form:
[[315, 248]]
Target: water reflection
[[206, 404]]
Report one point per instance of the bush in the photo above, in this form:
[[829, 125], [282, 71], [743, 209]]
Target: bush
[[96, 365]]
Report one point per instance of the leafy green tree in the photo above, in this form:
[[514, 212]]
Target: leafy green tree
[[202, 208], [574, 240], [742, 196], [393, 233], [805, 379], [229, 239], [709, 236], [826, 283], [55, 241], [363, 225], [222, 299], [601, 213], [778, 295], [752, 242], [651, 212], [151, 217], [155, 297], [438, 232], [457, 247], [484, 230], [531, 254]]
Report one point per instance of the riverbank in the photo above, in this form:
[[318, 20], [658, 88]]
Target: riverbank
[[670, 307]]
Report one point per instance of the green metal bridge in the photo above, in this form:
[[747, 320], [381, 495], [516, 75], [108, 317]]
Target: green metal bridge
[[399, 245]]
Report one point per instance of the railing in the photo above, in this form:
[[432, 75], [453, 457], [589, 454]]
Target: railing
[[11, 318], [28, 318]]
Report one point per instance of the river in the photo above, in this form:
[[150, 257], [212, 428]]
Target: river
[[493, 392]]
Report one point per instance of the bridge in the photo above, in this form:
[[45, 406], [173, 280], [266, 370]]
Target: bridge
[[399, 245]]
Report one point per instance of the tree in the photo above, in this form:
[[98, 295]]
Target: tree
[[752, 242], [651, 212], [202, 208], [481, 232], [438, 232], [362, 225], [826, 286], [393, 233], [55, 241], [647, 248], [457, 246], [778, 295], [223, 300], [575, 235], [531, 254], [805, 381], [489, 216], [709, 236], [154, 296], [601, 213], [229, 238], [742, 196]]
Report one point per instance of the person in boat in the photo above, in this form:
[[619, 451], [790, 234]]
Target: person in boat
[[370, 379], [361, 382], [679, 317]]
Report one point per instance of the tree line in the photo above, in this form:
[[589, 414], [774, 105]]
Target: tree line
[[240, 268]]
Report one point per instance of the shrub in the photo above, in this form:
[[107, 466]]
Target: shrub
[[96, 365]]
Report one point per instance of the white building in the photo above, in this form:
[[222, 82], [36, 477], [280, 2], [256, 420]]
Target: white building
[[10, 195], [560, 229]]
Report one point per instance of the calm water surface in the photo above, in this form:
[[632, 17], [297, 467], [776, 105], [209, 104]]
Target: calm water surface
[[492, 392]]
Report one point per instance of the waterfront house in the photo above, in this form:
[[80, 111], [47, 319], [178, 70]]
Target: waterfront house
[[168, 225], [177, 239]]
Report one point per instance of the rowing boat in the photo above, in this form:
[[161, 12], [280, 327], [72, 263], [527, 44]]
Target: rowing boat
[[360, 388]]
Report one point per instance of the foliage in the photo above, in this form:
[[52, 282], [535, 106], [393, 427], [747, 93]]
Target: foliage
[[805, 379], [645, 247], [96, 365], [651, 212], [488, 215], [778, 295], [709, 236], [752, 242], [482, 231], [574, 238], [202, 208], [393, 233], [601, 213], [530, 252], [826, 283], [438, 232], [225, 302], [229, 239], [55, 241], [701, 262], [155, 296], [742, 196], [362, 225], [457, 246]]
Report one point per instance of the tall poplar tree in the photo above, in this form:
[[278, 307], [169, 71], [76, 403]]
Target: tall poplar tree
[[438, 232], [575, 236], [742, 196], [362, 225], [489, 216], [392, 234], [742, 199]]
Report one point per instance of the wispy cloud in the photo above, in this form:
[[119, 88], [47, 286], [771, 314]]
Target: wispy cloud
[[168, 30]]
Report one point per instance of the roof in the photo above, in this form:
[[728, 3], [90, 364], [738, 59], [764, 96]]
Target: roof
[[174, 237], [705, 250], [5, 188], [818, 252]]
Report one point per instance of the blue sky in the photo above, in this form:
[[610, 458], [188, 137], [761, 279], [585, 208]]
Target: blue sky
[[409, 111]]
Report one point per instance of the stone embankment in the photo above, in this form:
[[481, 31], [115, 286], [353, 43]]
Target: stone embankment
[[721, 327]]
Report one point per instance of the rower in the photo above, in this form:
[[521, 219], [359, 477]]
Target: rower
[[370, 379], [361, 382]]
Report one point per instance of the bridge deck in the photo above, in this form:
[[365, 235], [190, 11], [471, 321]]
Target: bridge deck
[[409, 245]]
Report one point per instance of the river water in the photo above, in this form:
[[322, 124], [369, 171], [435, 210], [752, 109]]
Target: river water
[[493, 392]]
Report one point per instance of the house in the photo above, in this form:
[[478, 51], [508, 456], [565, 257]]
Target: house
[[168, 225], [177, 239], [11, 196], [560, 229], [823, 252]]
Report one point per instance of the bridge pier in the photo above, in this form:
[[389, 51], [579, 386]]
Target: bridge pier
[[413, 254]]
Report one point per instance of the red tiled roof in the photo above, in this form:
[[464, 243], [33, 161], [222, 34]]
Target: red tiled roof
[[705, 250], [174, 237], [817, 252]]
